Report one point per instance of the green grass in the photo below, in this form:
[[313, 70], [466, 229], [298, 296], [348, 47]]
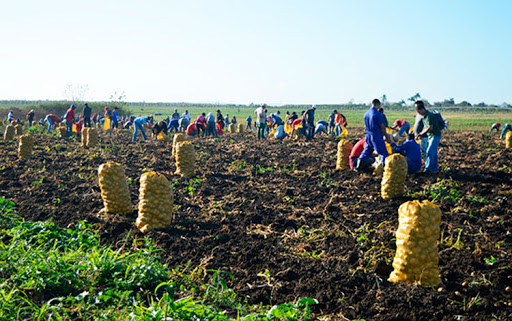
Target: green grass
[[460, 120], [52, 273]]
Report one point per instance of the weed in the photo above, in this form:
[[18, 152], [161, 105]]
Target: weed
[[445, 189]]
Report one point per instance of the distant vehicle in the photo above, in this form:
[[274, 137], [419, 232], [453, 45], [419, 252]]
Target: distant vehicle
[[158, 113]]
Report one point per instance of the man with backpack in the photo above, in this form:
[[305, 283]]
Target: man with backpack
[[432, 126]]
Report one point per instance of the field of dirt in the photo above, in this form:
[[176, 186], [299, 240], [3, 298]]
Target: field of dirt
[[255, 206]]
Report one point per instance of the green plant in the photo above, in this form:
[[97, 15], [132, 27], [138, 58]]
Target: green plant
[[445, 189]]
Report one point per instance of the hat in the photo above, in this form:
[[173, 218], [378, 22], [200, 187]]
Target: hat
[[31, 110], [335, 111], [106, 107], [314, 106], [86, 104], [218, 110], [73, 106]]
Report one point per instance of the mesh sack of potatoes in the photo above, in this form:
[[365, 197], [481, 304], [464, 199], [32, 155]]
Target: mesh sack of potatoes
[[508, 139], [9, 132], [114, 189], [185, 159], [162, 137], [62, 132], [344, 150], [241, 128], [155, 202], [25, 146], [18, 130], [92, 137], [232, 128], [393, 179], [178, 137], [417, 258], [85, 133]]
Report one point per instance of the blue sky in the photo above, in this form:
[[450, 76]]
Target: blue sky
[[276, 51]]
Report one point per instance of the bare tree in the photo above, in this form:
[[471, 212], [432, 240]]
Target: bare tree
[[76, 93]]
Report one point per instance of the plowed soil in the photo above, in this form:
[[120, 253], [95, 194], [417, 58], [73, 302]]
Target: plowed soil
[[282, 207]]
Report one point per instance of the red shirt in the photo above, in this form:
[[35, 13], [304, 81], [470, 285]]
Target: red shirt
[[201, 119], [296, 122], [191, 128], [79, 126], [399, 123], [54, 118], [71, 115], [358, 148]]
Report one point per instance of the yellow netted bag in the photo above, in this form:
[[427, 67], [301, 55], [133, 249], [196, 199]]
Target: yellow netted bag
[[344, 150], [241, 128], [18, 130], [162, 137], [85, 133], [185, 159], [178, 137], [232, 128], [114, 189], [393, 180], [9, 132], [62, 132], [92, 137], [155, 202], [508, 139], [25, 146], [417, 258]]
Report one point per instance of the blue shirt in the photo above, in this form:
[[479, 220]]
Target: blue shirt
[[140, 120], [320, 129], [277, 119], [412, 151], [114, 116], [280, 133], [372, 121], [249, 119], [323, 122]]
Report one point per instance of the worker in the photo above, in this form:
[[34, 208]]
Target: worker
[[30, 117], [52, 120], [403, 127], [506, 128], [280, 133], [249, 121], [332, 122], [79, 125], [175, 115], [69, 117], [233, 120], [192, 129], [417, 128], [412, 151], [159, 127], [220, 123], [201, 124], [320, 127], [261, 120], [210, 126], [10, 116], [495, 126], [309, 122], [87, 115], [357, 150], [277, 119], [431, 128], [386, 124], [375, 135], [184, 121], [226, 121], [137, 124]]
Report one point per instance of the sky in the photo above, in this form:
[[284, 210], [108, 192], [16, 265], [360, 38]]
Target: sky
[[265, 51]]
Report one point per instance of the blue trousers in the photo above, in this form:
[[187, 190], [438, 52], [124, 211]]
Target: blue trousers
[[137, 128], [431, 162], [50, 124], [374, 142], [69, 129], [405, 128], [424, 145]]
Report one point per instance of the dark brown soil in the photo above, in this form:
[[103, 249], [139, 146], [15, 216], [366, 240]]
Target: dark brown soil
[[282, 206]]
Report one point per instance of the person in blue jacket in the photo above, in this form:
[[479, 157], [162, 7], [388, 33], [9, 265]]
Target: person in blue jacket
[[506, 128], [412, 151], [375, 135], [137, 123], [249, 122]]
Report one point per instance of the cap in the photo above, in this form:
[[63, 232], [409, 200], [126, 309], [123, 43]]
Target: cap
[[86, 104], [73, 106], [335, 111], [106, 107], [314, 106]]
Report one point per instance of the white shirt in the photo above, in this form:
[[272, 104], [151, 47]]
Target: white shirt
[[186, 116], [260, 115]]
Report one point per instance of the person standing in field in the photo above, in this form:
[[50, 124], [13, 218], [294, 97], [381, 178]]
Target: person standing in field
[[30, 117], [403, 127], [309, 122], [176, 115], [432, 129], [138, 125], [114, 123], [86, 114], [332, 122], [386, 124], [184, 121], [249, 122], [210, 126], [220, 123], [69, 117], [375, 135], [201, 124], [261, 120], [412, 151], [10, 116], [495, 126], [417, 128]]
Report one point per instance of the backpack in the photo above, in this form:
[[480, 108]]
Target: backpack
[[440, 121]]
